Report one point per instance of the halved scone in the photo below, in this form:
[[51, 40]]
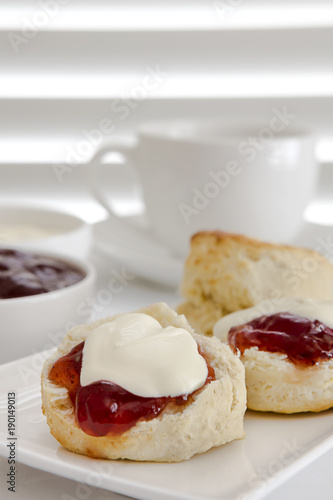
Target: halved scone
[[212, 417], [287, 354]]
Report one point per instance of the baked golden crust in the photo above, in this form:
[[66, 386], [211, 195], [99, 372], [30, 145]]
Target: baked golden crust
[[226, 272], [214, 417]]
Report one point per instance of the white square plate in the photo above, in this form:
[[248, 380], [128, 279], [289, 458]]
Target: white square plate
[[275, 448]]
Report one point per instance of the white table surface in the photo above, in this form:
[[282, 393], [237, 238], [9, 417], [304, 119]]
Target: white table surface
[[315, 481]]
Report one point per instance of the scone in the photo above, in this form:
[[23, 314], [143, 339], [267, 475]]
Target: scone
[[287, 354], [211, 416], [227, 272]]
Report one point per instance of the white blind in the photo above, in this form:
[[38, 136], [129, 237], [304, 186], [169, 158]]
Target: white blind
[[65, 65]]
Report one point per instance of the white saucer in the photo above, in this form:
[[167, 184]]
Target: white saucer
[[131, 243], [317, 237], [138, 250]]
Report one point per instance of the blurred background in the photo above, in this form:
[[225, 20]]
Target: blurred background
[[67, 65]]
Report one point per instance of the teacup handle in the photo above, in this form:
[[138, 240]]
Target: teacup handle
[[121, 227], [93, 172]]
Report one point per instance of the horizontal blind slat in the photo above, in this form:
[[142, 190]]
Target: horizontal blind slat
[[203, 64], [213, 14], [167, 86]]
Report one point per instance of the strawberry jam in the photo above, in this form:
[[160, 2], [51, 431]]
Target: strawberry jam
[[305, 342], [23, 274], [102, 407]]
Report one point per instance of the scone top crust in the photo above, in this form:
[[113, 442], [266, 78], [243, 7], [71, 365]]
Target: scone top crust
[[252, 246], [236, 272]]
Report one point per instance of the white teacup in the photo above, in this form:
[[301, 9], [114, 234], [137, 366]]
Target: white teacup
[[256, 182]]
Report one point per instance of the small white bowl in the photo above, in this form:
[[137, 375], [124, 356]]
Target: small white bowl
[[38, 322], [46, 230]]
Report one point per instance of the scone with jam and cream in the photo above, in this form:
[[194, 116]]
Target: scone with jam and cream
[[143, 386], [287, 351]]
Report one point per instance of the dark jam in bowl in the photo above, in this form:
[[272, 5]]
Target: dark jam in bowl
[[24, 274], [105, 408], [305, 342]]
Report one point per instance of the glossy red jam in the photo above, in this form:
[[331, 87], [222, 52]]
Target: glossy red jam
[[102, 408], [305, 342], [23, 274]]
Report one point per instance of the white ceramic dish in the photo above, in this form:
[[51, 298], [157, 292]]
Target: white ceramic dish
[[275, 448], [59, 232], [34, 323]]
